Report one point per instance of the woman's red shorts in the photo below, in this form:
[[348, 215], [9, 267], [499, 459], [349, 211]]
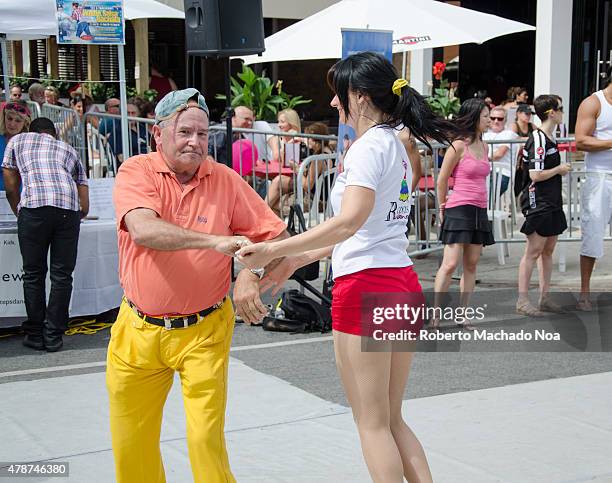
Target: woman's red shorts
[[353, 293]]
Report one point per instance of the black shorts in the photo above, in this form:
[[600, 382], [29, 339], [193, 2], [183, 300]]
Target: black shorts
[[466, 224], [549, 223]]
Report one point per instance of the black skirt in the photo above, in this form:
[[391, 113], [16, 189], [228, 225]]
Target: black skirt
[[549, 223], [466, 224]]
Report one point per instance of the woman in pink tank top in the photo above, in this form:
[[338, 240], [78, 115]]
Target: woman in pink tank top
[[465, 224]]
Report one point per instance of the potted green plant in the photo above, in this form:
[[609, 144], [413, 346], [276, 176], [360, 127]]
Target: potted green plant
[[443, 100], [260, 95]]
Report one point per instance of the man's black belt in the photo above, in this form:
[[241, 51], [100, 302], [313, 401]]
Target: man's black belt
[[175, 321]]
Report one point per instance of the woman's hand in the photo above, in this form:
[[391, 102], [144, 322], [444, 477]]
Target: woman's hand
[[275, 279], [257, 255]]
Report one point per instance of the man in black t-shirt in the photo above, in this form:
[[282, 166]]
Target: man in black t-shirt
[[541, 203]]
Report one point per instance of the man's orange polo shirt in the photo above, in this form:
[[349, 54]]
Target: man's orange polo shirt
[[215, 201]]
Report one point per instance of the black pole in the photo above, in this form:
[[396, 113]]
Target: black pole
[[229, 113]]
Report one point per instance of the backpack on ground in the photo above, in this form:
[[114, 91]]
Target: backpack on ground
[[297, 313]]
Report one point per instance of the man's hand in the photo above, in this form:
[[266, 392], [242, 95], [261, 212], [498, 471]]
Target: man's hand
[[275, 279], [229, 245], [564, 168], [246, 297]]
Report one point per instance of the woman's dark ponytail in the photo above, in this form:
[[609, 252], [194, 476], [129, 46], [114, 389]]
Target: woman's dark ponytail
[[413, 111], [372, 74]]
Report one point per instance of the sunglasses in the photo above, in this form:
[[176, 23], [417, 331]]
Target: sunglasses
[[494, 118], [114, 105], [558, 109]]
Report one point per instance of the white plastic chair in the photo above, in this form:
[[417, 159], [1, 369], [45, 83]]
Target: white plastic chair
[[496, 214]]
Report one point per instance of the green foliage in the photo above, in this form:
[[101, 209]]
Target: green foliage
[[150, 94], [62, 86], [24, 83], [101, 91], [258, 94], [443, 102]]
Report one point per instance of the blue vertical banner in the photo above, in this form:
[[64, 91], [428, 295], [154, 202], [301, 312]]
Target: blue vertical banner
[[353, 42], [360, 40]]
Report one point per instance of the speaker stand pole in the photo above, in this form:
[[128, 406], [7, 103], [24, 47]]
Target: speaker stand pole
[[229, 113]]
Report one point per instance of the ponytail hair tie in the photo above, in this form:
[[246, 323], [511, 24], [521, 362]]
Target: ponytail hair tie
[[398, 85]]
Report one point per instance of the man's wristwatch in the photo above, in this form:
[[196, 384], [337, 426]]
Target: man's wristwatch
[[258, 271]]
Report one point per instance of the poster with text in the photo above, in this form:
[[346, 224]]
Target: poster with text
[[90, 22]]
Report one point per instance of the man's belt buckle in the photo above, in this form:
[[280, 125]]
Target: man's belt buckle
[[168, 322]]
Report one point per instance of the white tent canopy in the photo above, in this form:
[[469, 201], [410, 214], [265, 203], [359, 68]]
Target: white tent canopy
[[27, 19], [416, 24]]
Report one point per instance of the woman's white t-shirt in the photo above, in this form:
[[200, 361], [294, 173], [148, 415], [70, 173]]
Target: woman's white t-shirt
[[378, 161]]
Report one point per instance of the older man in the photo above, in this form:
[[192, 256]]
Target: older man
[[177, 216], [16, 93], [36, 92], [243, 118], [502, 153], [110, 127]]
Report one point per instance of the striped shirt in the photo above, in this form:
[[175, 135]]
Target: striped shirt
[[50, 171], [77, 13]]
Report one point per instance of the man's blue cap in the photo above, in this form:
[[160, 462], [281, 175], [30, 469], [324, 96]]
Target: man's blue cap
[[177, 101]]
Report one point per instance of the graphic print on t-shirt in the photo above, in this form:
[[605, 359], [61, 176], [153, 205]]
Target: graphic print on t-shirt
[[404, 191]]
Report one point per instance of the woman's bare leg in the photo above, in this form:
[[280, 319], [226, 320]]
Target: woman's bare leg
[[365, 377], [416, 468], [533, 249]]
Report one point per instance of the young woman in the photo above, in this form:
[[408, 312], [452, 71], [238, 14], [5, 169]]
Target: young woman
[[542, 205], [523, 125], [368, 245], [288, 122], [14, 119], [465, 224]]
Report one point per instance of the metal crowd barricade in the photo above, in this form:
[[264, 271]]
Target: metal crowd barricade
[[34, 108], [315, 179], [259, 165], [425, 234], [104, 141], [256, 164], [69, 128]]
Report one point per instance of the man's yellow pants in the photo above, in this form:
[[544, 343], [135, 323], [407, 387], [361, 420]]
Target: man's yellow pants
[[141, 362]]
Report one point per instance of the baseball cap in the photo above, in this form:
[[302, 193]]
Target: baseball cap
[[524, 108], [177, 101]]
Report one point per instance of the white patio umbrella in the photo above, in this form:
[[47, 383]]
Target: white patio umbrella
[[416, 24]]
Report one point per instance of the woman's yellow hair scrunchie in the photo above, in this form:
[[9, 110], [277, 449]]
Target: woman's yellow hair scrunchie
[[398, 85]]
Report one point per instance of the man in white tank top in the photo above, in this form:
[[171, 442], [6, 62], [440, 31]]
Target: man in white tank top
[[594, 136]]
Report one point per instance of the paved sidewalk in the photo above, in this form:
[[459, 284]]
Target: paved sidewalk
[[491, 273], [549, 431]]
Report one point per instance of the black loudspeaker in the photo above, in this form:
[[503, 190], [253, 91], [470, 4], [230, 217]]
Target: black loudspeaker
[[224, 27]]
